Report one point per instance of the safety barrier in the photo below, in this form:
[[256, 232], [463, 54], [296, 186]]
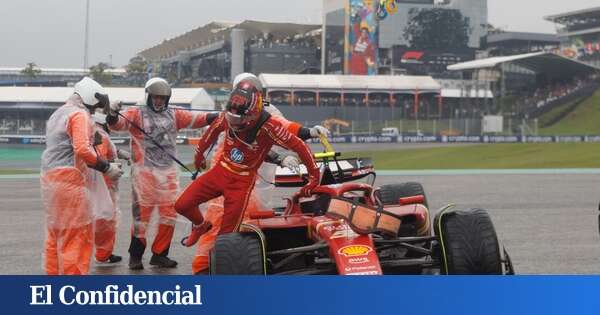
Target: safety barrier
[[37, 140]]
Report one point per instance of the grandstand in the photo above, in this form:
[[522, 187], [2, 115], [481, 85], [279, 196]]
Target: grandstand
[[514, 43], [535, 82], [218, 51], [580, 34]]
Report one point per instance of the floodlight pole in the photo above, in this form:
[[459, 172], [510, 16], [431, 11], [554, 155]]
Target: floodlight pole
[[87, 34]]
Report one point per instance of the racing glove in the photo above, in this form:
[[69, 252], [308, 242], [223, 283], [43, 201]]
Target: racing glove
[[317, 131], [114, 171], [307, 190], [114, 107], [199, 161]]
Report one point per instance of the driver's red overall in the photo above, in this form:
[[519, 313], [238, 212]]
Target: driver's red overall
[[233, 175], [214, 213]]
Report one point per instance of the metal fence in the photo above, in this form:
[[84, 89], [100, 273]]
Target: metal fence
[[444, 127]]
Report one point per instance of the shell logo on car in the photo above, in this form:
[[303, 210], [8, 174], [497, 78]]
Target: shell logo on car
[[355, 250]]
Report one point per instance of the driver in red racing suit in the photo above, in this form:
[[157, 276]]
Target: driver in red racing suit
[[250, 135]]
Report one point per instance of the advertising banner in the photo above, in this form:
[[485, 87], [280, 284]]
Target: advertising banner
[[362, 37]]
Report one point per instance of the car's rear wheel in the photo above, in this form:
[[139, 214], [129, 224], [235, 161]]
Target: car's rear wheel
[[237, 254], [467, 243], [390, 194]]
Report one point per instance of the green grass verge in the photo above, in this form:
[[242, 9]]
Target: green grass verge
[[484, 156], [584, 120], [488, 156], [24, 153], [553, 114]]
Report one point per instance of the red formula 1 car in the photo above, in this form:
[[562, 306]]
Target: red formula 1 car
[[353, 228]]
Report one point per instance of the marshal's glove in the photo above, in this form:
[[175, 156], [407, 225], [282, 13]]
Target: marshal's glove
[[317, 131], [114, 171], [113, 108], [292, 163]]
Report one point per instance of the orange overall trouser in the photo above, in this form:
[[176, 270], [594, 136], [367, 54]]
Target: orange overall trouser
[[69, 237], [145, 199], [105, 231]]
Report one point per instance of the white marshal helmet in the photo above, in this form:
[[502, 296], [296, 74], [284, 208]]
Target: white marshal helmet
[[157, 86], [91, 92]]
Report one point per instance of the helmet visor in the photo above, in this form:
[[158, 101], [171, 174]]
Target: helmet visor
[[239, 102], [103, 100], [158, 102]]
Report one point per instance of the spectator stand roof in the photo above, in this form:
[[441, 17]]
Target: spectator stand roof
[[337, 83], [41, 97], [574, 16], [523, 37], [576, 23], [552, 65], [219, 31]]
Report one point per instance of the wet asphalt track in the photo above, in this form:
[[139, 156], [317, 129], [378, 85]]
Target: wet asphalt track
[[547, 222]]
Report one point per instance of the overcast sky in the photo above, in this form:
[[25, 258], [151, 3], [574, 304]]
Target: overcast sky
[[51, 32]]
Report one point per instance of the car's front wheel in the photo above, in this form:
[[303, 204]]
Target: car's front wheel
[[467, 243], [237, 254]]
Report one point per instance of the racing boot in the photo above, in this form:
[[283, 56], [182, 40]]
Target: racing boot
[[162, 261], [197, 231], [111, 260], [135, 263], [136, 251]]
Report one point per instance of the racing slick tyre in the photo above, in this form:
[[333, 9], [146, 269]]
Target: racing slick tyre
[[467, 243], [390, 194], [237, 254]]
